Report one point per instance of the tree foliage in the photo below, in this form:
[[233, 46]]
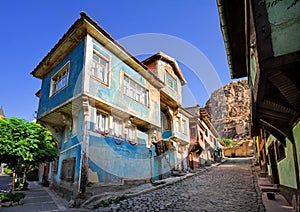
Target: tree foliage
[[228, 142], [25, 145]]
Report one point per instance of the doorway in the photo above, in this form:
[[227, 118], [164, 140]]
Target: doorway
[[273, 163]]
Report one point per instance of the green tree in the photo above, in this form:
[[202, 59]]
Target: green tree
[[228, 142], [25, 145]]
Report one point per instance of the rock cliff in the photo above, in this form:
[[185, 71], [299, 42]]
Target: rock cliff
[[229, 109]]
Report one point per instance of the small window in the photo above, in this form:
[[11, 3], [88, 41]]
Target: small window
[[117, 127], [280, 151], [55, 165], [166, 121], [101, 122], [184, 127], [193, 132], [177, 125], [100, 68], [135, 91], [130, 133], [170, 81], [60, 80]]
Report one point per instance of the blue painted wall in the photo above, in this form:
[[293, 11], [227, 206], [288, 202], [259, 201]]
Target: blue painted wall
[[113, 93], [163, 164], [76, 58], [73, 139], [166, 134], [113, 161], [74, 152]]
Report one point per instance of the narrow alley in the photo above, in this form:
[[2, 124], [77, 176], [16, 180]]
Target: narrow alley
[[228, 187]]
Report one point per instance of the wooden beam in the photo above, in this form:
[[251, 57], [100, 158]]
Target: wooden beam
[[287, 88]]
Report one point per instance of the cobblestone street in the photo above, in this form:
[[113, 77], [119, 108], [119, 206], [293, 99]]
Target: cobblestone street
[[228, 187]]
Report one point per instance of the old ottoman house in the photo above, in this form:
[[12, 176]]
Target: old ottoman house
[[103, 107], [203, 138], [262, 43], [173, 137]]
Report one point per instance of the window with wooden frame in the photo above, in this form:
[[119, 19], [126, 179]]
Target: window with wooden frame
[[60, 80], [100, 68], [68, 169], [130, 133], [184, 126], [280, 151], [177, 124], [135, 91], [55, 165], [166, 121], [193, 132], [101, 121], [171, 81], [117, 127]]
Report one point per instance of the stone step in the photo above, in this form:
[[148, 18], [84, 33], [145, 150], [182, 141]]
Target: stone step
[[269, 189]]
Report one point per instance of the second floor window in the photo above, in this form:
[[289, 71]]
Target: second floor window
[[60, 79], [130, 133], [171, 82], [184, 127], [193, 132], [101, 121], [117, 127], [100, 68], [135, 91]]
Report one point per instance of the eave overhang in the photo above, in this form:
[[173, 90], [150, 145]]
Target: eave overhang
[[233, 27], [83, 26], [172, 61]]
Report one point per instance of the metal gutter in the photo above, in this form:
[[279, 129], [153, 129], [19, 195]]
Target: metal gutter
[[225, 35]]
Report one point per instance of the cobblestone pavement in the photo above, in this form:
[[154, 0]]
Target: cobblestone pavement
[[228, 187]]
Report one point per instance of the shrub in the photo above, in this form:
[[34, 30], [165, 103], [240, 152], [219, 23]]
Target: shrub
[[21, 186], [228, 142], [14, 197], [7, 171]]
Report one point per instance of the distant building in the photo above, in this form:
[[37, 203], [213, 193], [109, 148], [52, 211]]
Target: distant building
[[1, 113], [203, 137]]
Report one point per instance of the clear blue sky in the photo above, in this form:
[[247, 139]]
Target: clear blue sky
[[29, 29]]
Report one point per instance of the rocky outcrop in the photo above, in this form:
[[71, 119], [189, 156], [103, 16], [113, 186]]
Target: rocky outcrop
[[229, 109]]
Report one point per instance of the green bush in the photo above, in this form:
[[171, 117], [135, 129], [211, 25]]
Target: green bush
[[21, 186], [7, 171], [14, 197], [228, 142]]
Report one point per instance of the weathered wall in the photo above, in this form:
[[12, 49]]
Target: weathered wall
[[112, 94], [174, 94], [286, 166], [110, 161], [284, 18], [76, 58]]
